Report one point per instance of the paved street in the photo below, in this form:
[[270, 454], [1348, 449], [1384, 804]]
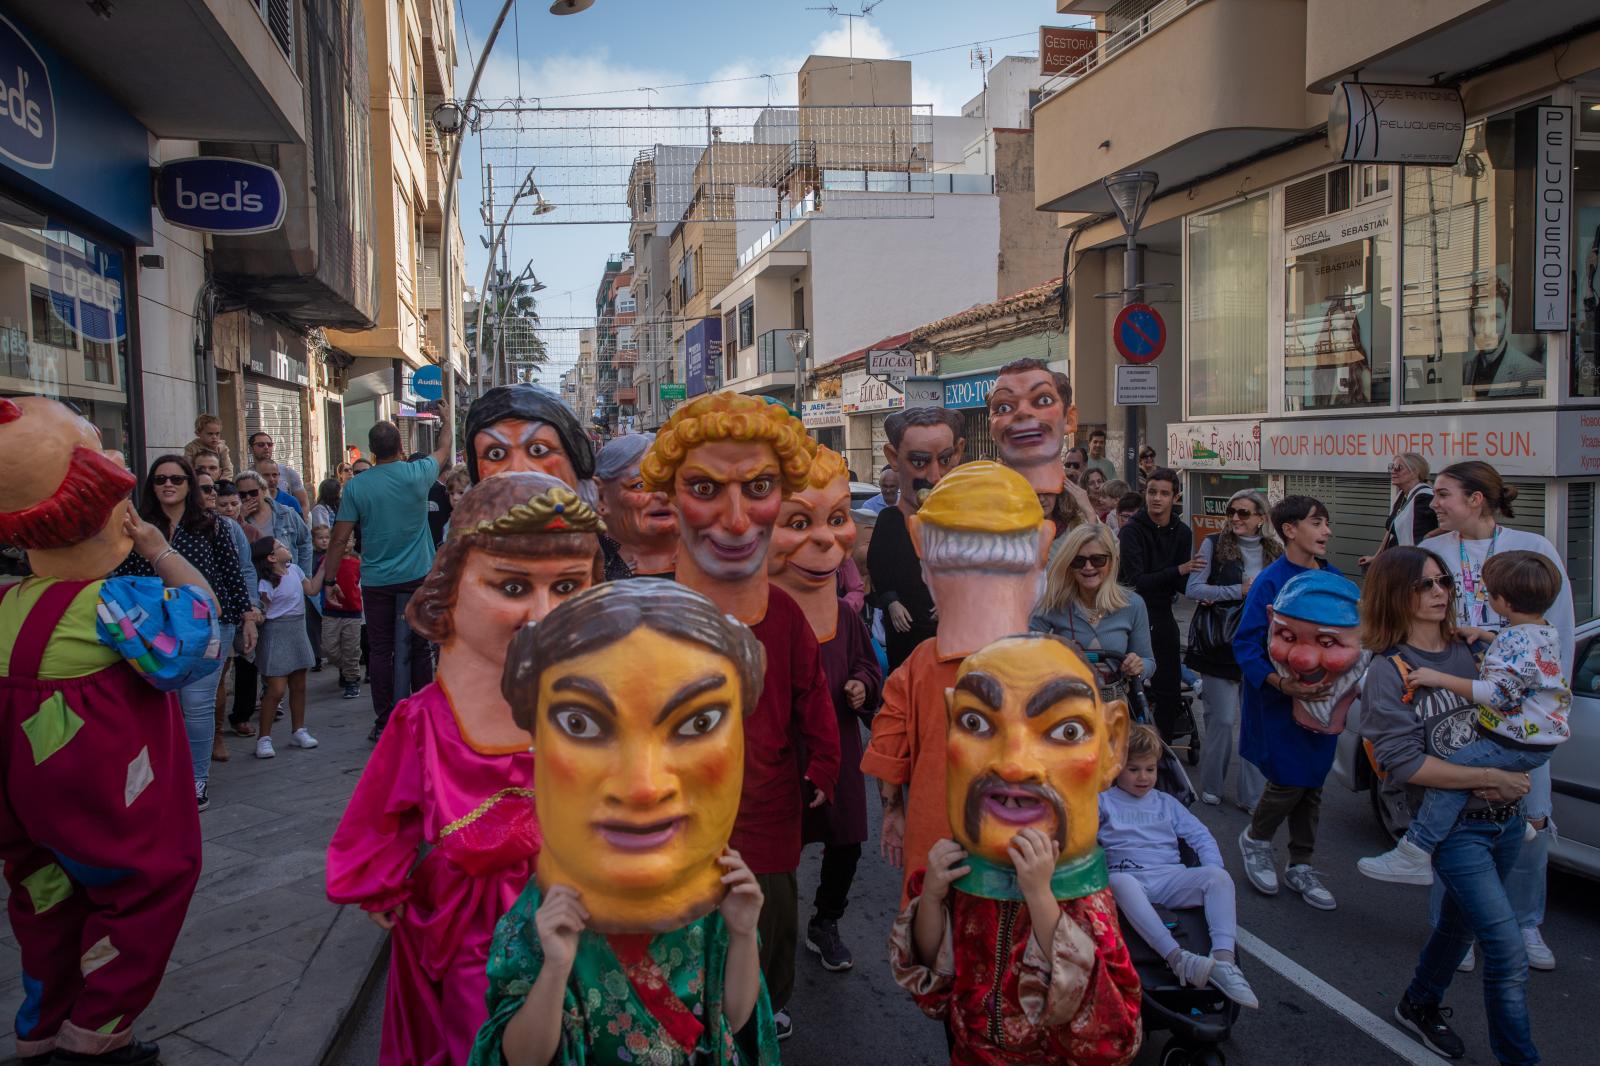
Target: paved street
[[266, 968], [1364, 952]]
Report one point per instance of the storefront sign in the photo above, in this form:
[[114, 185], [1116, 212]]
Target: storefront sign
[[217, 194], [1137, 386], [924, 392], [970, 391], [1059, 48], [673, 391], [1516, 443], [863, 393], [1578, 434], [1419, 125], [428, 381], [702, 353], [1215, 445], [821, 414], [892, 363], [66, 142], [27, 100], [1342, 229], [1552, 216]]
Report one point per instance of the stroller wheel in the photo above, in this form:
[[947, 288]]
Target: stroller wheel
[[1180, 1053]]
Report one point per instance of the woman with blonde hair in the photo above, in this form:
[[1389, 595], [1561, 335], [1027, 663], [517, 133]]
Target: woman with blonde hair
[[1411, 518], [1084, 603], [1229, 562]]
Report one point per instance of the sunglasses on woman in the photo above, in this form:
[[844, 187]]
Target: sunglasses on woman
[[208, 490], [1444, 582], [1099, 562], [1241, 512], [249, 494], [169, 479]]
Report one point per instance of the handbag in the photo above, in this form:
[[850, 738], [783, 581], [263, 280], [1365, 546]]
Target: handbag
[[1211, 631]]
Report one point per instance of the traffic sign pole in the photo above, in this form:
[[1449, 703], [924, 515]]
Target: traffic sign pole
[[1132, 277]]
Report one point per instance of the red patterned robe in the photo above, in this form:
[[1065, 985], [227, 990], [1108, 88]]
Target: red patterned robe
[[1006, 1001]]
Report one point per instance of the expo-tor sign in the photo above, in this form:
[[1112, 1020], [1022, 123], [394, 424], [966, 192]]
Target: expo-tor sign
[[1140, 334], [218, 194]]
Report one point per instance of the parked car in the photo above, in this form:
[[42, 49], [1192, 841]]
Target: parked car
[[1574, 769], [861, 492]]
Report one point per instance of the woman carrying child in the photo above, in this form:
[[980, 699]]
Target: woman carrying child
[[1140, 827], [283, 650], [1408, 617]]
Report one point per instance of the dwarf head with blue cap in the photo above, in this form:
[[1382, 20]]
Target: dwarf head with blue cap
[[1315, 638]]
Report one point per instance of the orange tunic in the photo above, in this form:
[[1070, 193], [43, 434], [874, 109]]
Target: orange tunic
[[908, 747]]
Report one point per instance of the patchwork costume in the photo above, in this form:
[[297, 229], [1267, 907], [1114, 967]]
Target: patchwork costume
[[99, 833]]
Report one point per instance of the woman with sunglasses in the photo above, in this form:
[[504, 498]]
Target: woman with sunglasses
[[1084, 603], [172, 503], [1408, 620], [1411, 519], [1229, 562], [1467, 498]]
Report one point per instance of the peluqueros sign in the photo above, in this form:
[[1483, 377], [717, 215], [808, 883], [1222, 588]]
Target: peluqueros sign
[[219, 194]]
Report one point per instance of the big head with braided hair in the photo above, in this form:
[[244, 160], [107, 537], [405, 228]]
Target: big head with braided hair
[[727, 461]]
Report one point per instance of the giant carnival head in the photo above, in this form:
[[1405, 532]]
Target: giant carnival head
[[816, 531], [523, 427], [1030, 744], [1315, 638], [62, 498], [1030, 414], [727, 461], [635, 693], [924, 444], [635, 516]]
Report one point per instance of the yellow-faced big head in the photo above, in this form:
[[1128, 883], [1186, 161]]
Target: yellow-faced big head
[[635, 693], [1030, 744]]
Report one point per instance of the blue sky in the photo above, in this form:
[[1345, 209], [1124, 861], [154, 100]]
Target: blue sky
[[607, 55]]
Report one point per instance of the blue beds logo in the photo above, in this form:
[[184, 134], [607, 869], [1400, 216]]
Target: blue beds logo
[[27, 103], [219, 194]]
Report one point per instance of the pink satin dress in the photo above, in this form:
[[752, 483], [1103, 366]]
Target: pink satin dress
[[449, 832]]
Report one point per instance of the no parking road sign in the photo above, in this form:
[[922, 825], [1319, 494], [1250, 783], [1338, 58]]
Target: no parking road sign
[[1139, 333]]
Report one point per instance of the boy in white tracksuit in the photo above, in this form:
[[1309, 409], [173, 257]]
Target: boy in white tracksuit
[[1139, 829]]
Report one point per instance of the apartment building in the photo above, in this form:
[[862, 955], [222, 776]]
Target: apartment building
[[1331, 303], [411, 48]]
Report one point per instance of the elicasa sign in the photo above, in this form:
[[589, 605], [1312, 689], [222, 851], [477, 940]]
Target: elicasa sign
[[217, 194], [27, 102]]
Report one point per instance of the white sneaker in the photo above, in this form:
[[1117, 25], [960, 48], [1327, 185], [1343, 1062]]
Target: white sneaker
[[1407, 864], [1468, 964], [264, 749], [1211, 799], [1259, 866], [1228, 979], [1191, 969], [302, 738], [1540, 957]]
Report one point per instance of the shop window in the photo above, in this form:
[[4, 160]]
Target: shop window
[[54, 318], [1338, 310], [1581, 547], [747, 323], [1589, 115], [1458, 291], [1205, 506], [1585, 376], [1226, 307], [99, 356]]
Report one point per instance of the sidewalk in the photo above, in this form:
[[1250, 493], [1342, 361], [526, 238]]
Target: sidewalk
[[266, 970]]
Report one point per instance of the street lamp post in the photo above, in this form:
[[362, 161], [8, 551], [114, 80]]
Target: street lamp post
[[799, 339], [542, 207], [450, 118], [1131, 193]]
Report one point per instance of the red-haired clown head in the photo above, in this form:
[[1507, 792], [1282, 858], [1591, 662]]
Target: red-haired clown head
[[60, 489]]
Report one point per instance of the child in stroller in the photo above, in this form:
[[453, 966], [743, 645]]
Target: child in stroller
[[1192, 982]]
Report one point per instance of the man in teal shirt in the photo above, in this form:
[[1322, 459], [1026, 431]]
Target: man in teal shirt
[[390, 505]]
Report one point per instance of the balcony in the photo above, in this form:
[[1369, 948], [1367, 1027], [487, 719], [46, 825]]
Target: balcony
[[795, 215], [438, 42], [774, 365], [1410, 42], [1224, 96]]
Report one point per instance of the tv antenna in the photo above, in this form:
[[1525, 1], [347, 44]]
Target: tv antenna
[[866, 10]]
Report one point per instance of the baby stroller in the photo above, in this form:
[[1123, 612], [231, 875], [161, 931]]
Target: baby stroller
[[1198, 1019]]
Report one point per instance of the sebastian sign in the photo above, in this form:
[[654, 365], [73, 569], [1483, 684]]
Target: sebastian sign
[[1419, 125], [1215, 445], [1059, 48]]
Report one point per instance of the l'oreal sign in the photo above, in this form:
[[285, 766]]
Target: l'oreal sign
[[27, 102], [217, 194]]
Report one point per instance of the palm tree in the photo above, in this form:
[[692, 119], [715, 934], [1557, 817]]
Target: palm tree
[[510, 321]]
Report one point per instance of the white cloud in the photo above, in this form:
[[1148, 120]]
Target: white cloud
[[869, 41]]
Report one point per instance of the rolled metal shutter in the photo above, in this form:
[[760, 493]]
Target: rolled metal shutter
[[274, 409], [1359, 506]]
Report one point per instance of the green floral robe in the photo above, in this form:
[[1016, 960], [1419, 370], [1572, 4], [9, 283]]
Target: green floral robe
[[605, 1017]]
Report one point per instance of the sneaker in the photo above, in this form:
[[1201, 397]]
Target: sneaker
[[1405, 864], [1540, 957], [1259, 866], [1429, 1025], [264, 749], [352, 690], [302, 738], [134, 1053], [1191, 969], [781, 1022], [1468, 964], [1227, 978], [1303, 879], [822, 938], [202, 797], [1211, 799]]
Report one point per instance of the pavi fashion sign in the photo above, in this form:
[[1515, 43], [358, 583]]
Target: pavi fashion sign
[[218, 194]]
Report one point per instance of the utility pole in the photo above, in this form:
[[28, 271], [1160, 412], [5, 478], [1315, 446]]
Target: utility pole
[[1131, 193]]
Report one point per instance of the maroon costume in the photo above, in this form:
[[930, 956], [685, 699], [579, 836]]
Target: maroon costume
[[847, 656]]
